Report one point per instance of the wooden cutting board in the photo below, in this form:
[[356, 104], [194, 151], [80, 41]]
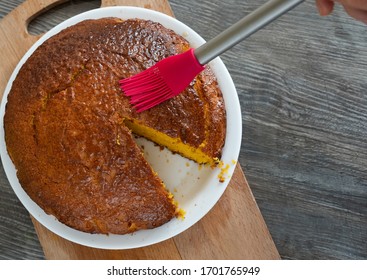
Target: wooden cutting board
[[233, 229]]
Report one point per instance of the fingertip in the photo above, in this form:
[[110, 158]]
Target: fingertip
[[325, 7]]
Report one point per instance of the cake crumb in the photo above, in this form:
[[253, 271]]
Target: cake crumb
[[223, 172], [181, 214]]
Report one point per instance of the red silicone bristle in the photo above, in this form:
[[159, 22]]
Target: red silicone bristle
[[164, 80], [146, 89]]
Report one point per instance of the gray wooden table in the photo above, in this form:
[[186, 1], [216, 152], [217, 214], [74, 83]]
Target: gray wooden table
[[302, 84]]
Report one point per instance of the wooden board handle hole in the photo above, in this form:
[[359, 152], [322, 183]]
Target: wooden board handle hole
[[55, 15]]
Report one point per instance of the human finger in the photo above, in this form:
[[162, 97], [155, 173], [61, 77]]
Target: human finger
[[354, 4], [325, 7], [358, 14]]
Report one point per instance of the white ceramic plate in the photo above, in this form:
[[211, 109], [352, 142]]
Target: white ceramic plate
[[196, 189]]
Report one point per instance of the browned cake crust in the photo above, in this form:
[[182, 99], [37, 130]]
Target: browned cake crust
[[65, 133]]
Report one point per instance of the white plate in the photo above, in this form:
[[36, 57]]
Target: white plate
[[196, 189]]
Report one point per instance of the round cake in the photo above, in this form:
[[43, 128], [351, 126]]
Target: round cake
[[68, 127]]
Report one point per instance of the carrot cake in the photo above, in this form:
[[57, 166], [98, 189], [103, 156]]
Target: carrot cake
[[68, 126]]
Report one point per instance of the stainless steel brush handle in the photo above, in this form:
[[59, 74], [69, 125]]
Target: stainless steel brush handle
[[244, 28]]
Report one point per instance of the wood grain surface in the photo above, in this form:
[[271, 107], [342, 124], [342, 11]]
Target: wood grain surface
[[303, 92], [236, 230]]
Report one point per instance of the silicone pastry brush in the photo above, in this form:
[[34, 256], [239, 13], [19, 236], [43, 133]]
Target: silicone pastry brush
[[170, 76]]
